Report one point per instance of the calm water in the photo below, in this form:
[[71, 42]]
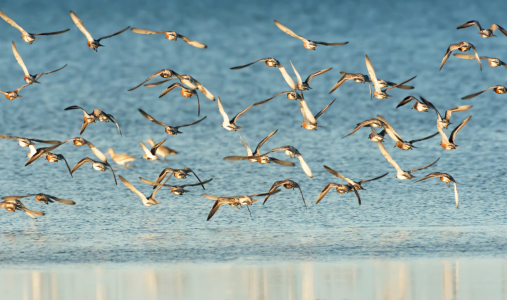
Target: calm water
[[398, 219]]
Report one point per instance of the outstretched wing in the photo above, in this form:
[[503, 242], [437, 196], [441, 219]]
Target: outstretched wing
[[10, 21], [146, 31], [192, 123], [19, 59], [264, 140], [412, 171], [316, 74], [116, 33], [366, 180], [147, 116], [192, 42], [244, 66], [457, 129], [477, 94], [81, 26], [289, 32]]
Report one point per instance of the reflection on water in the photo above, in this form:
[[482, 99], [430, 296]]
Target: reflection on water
[[371, 279]]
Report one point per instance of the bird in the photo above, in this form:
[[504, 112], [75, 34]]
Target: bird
[[230, 124], [187, 93], [499, 89], [448, 143], [188, 81], [361, 78], [310, 121], [288, 184], [400, 143], [291, 95], [13, 205], [97, 115], [51, 157], [149, 154], [237, 201], [91, 42], [97, 165], [340, 188], [170, 130], [461, 46], [172, 36], [271, 62], [25, 142], [485, 33], [161, 150], [146, 201], [304, 85], [28, 77], [27, 37], [79, 141], [42, 198], [492, 61], [356, 185], [178, 173], [444, 177], [256, 156], [293, 152], [368, 123], [400, 174], [164, 73], [175, 189], [122, 159], [379, 93], [308, 44], [444, 122], [11, 95], [418, 105]]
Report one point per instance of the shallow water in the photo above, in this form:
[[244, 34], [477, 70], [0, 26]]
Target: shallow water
[[398, 219]]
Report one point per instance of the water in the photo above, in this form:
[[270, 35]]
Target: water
[[398, 219]]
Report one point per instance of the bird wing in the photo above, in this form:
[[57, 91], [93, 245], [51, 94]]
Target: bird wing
[[371, 72], [496, 26], [477, 56], [233, 121], [477, 94], [39, 152], [457, 129], [447, 54], [345, 77], [170, 88], [236, 158], [81, 26], [323, 110], [192, 122], [51, 33], [430, 105], [145, 149], [222, 111], [244, 66], [97, 152], [112, 119], [282, 162], [330, 44], [19, 59], [412, 171], [149, 78], [456, 188], [202, 183], [388, 157], [406, 87], [111, 35], [264, 140], [361, 125], [316, 74], [275, 186], [204, 91], [214, 208], [286, 76], [155, 147], [146, 31], [189, 170], [326, 190], [248, 150], [357, 194], [431, 175], [67, 164], [192, 42], [289, 32], [305, 167], [21, 87], [340, 175], [160, 82], [10, 21], [132, 188], [80, 163], [425, 138], [147, 116], [366, 180], [49, 72], [468, 56], [390, 130], [469, 24], [163, 174], [449, 112], [64, 201], [264, 101], [307, 114], [297, 74], [406, 100]]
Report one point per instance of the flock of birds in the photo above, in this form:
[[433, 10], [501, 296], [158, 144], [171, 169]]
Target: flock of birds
[[189, 87]]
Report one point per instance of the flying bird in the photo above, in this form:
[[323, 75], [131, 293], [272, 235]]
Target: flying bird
[[28, 77], [288, 184], [461, 46], [171, 35], [147, 201], [91, 42], [444, 177], [484, 32], [308, 44], [28, 37], [499, 89], [237, 201]]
